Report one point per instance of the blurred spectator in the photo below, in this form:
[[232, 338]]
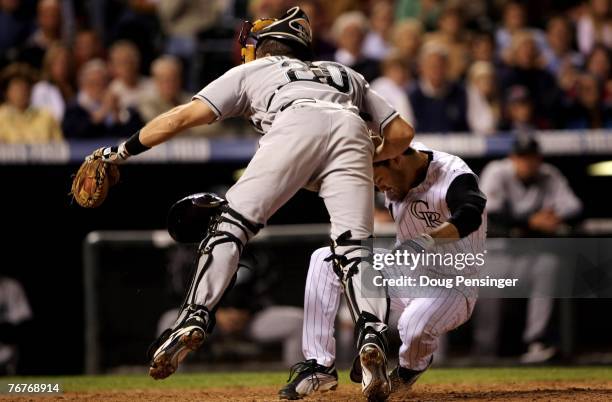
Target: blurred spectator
[[514, 20], [48, 32], [182, 21], [484, 106], [519, 113], [20, 122], [138, 24], [87, 47], [587, 110], [393, 85], [168, 94], [599, 64], [56, 88], [128, 85], [96, 112], [376, 44], [595, 26], [15, 317], [167, 75], [15, 27], [349, 31], [439, 105], [267, 8], [451, 35], [482, 47], [406, 39], [322, 47], [558, 51], [525, 70], [427, 11]]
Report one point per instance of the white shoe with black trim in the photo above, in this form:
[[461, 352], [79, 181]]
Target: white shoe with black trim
[[309, 377]]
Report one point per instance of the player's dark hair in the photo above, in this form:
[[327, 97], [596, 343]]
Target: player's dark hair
[[279, 47]]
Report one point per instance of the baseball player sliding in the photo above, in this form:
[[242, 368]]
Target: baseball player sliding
[[314, 137], [438, 207]]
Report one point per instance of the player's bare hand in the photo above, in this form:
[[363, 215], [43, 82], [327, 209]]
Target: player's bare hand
[[115, 155]]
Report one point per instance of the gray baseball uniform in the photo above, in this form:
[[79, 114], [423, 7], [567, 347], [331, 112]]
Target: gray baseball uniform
[[314, 138]]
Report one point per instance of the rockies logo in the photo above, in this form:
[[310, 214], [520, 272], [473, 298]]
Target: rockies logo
[[431, 218]]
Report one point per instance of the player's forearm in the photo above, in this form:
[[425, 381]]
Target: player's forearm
[[169, 124], [397, 137]]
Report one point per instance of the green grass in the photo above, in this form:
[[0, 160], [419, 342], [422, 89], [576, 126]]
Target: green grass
[[262, 379]]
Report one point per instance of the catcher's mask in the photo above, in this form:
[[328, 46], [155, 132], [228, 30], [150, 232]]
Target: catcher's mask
[[294, 27], [189, 218]]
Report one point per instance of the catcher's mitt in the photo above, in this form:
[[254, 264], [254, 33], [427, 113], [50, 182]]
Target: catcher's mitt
[[92, 181]]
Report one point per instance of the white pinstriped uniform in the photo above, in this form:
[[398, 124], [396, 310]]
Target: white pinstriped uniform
[[423, 320]]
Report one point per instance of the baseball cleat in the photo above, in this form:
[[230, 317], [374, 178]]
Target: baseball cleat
[[375, 383], [176, 344], [309, 377]]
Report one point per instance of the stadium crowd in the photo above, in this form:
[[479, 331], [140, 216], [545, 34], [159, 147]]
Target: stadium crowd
[[102, 68]]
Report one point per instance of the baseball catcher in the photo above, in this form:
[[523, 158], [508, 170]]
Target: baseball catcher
[[313, 119]]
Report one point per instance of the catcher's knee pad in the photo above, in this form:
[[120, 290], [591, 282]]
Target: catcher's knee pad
[[226, 226]]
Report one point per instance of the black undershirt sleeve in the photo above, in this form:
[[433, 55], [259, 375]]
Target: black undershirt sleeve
[[466, 203]]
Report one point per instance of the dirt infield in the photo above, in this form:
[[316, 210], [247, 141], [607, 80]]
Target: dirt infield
[[532, 391]]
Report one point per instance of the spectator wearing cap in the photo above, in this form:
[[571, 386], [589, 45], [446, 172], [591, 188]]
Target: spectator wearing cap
[[595, 26], [451, 34], [56, 88], [587, 109], [20, 122], [96, 111], [558, 51], [349, 32], [376, 43], [128, 85], [519, 113], [484, 106], [525, 69], [526, 197], [439, 104], [393, 85]]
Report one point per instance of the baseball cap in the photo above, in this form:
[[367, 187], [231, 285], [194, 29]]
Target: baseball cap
[[526, 145]]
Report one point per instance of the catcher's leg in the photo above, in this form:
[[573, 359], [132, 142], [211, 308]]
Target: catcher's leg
[[218, 257]]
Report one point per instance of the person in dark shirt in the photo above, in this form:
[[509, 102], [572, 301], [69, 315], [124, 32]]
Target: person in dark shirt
[[14, 28], [525, 69], [439, 105]]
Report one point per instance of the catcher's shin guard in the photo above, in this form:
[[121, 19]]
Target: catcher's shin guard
[[218, 257]]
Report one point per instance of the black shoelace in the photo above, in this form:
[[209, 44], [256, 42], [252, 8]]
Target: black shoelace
[[308, 367]]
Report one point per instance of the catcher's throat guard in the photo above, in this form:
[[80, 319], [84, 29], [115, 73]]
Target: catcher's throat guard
[[294, 26], [189, 218]]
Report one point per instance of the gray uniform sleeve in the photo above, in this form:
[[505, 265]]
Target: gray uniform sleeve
[[564, 202], [226, 95], [492, 184], [374, 108]]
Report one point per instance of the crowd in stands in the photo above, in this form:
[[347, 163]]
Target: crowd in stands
[[102, 68]]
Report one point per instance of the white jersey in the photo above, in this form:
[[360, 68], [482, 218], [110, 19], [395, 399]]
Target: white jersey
[[424, 208], [260, 89]]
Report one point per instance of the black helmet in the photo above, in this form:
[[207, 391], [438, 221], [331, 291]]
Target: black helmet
[[293, 26]]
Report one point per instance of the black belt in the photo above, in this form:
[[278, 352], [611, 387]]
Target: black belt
[[300, 100]]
